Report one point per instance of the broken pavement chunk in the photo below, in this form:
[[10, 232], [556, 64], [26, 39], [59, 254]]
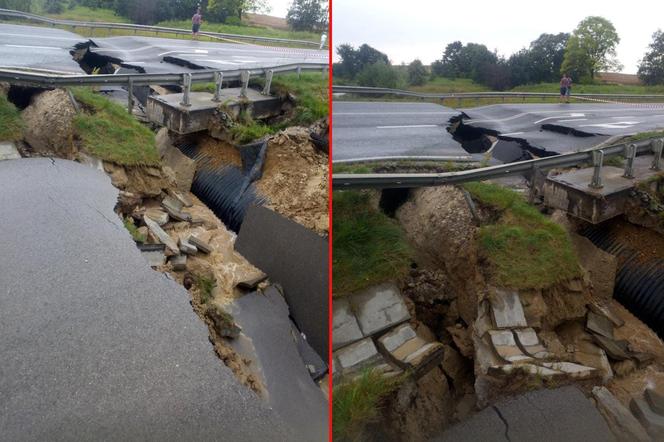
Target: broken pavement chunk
[[187, 248], [505, 345], [251, 282], [379, 308], [623, 423], [179, 262], [599, 324], [174, 209], [200, 244], [606, 310], [616, 350], [181, 197], [164, 237], [157, 215], [153, 253], [507, 309]]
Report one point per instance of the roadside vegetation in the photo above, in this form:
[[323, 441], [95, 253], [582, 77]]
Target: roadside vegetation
[[400, 166], [358, 403], [133, 230], [369, 247], [108, 132], [11, 124], [523, 248]]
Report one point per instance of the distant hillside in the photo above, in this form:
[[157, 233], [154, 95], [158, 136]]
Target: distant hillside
[[616, 78], [267, 21]]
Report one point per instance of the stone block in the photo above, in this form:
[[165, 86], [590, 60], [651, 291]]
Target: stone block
[[179, 262], [164, 237], [616, 350], [379, 308], [572, 370], [505, 345], [200, 244], [507, 309], [182, 197], [155, 258], [606, 310], [187, 248], [529, 342], [357, 356], [599, 324], [651, 421], [8, 151], [157, 215], [394, 339], [531, 369], [623, 423], [345, 329], [590, 355]]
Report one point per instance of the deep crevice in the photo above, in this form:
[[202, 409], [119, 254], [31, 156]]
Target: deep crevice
[[502, 418], [392, 199]]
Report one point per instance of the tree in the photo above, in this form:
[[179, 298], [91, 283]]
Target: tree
[[378, 74], [546, 57], [520, 67], [307, 15], [651, 68], [417, 73], [54, 6], [591, 48], [465, 61], [354, 60], [17, 5]]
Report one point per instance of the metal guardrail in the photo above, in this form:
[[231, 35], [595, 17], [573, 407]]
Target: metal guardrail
[[145, 28], [594, 156], [479, 95]]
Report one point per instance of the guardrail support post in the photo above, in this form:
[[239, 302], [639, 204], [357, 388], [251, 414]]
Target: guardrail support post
[[299, 72], [130, 96], [657, 147], [630, 154], [218, 79], [598, 160], [268, 82], [186, 89], [245, 83]]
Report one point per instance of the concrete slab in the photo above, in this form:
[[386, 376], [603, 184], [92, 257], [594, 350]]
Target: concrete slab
[[179, 262], [378, 308], [291, 392], [651, 421], [296, 258], [534, 416], [164, 237], [616, 350], [571, 369], [345, 329], [590, 355], [529, 342], [357, 356], [507, 309], [168, 110], [186, 247], [96, 345], [397, 337], [200, 244], [623, 423], [599, 324], [8, 151], [606, 310], [155, 258], [505, 345], [157, 215], [532, 369]]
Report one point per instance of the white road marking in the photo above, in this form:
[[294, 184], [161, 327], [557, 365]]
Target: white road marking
[[34, 47], [513, 133], [497, 120], [616, 125], [44, 37], [396, 113], [570, 115], [574, 119], [401, 127]]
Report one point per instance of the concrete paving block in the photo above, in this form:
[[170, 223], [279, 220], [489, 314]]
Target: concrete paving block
[[357, 356], [155, 258], [507, 309], [187, 248], [591, 355], [426, 353], [171, 203], [616, 350], [164, 237], [571, 369], [157, 215], [599, 324], [182, 197], [622, 422], [179, 262], [8, 151], [653, 422], [397, 337], [345, 329], [655, 400], [606, 310], [529, 342], [531, 369], [379, 308], [505, 345], [200, 244]]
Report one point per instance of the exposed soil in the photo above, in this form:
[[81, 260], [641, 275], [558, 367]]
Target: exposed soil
[[49, 124], [646, 241], [219, 153], [295, 179]]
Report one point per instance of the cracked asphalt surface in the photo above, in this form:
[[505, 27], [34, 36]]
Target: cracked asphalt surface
[[559, 415], [96, 345]]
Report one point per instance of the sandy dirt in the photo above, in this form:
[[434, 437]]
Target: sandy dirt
[[49, 124], [218, 153], [295, 179], [648, 242]]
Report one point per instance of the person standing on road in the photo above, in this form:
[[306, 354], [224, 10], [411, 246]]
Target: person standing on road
[[565, 88], [196, 23]]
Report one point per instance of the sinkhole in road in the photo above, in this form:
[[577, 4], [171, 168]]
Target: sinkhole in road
[[94, 63], [21, 96]]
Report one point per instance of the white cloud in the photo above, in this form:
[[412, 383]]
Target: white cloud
[[422, 28]]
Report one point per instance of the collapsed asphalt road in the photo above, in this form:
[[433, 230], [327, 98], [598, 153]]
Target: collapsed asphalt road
[[46, 48], [374, 130], [94, 343]]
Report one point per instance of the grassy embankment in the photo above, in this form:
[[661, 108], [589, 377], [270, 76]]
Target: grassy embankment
[[311, 104], [11, 124], [524, 249], [108, 132], [369, 247], [357, 403]]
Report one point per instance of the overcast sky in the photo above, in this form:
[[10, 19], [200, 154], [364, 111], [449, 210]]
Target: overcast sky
[[411, 29], [279, 7]]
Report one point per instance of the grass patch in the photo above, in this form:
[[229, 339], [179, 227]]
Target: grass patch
[[11, 124], [450, 85], [247, 129], [206, 286], [257, 31], [645, 135], [108, 132], [83, 13], [368, 246], [133, 230], [357, 403], [594, 88], [615, 161], [524, 248], [401, 166]]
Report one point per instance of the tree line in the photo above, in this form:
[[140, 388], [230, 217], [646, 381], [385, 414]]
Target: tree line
[[303, 15], [589, 49]]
